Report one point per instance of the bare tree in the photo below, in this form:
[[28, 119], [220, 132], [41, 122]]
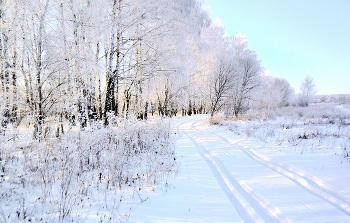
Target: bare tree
[[6, 26], [223, 78], [285, 91], [40, 62], [275, 92], [308, 91], [249, 79]]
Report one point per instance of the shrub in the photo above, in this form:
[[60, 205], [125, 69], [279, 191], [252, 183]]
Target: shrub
[[60, 176]]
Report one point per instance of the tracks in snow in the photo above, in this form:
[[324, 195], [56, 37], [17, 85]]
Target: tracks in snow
[[306, 181], [245, 200]]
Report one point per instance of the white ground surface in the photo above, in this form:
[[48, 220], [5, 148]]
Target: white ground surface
[[225, 177]]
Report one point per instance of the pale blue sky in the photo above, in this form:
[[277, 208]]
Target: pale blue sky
[[294, 37]]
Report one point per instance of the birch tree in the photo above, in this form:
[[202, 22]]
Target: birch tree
[[275, 92], [8, 56], [248, 78], [222, 82], [41, 61], [308, 90], [207, 53]]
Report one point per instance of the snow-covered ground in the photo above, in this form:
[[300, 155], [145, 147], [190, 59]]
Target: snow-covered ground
[[226, 176], [292, 166]]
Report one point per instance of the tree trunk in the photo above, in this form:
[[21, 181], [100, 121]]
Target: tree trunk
[[5, 79], [14, 87], [109, 96], [38, 119], [112, 91], [189, 113], [38, 104]]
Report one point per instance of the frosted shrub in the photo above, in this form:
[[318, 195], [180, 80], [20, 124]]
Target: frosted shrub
[[91, 169], [263, 131], [319, 127], [346, 151], [313, 114], [217, 119]]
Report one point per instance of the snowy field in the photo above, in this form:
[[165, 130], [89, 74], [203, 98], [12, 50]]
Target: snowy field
[[290, 168], [148, 111]]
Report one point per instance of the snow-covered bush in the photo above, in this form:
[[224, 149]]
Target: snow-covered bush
[[316, 112], [85, 173], [346, 151], [217, 119], [319, 127]]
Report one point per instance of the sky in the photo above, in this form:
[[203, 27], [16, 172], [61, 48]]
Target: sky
[[294, 38]]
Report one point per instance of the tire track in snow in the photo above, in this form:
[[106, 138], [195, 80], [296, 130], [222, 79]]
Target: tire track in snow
[[234, 199], [306, 181], [187, 121], [240, 207], [309, 178], [261, 206]]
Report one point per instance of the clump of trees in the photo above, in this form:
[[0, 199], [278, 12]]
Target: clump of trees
[[82, 61], [276, 92], [87, 60]]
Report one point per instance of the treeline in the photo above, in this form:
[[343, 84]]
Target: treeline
[[333, 98], [88, 60]]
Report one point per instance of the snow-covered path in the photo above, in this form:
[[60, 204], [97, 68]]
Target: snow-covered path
[[228, 178]]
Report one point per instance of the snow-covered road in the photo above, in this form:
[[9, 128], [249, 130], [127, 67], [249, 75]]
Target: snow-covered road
[[230, 178]]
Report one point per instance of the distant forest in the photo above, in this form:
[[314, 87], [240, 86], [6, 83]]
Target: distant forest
[[333, 98]]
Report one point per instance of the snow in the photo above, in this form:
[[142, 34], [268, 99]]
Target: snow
[[226, 177], [235, 171]]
